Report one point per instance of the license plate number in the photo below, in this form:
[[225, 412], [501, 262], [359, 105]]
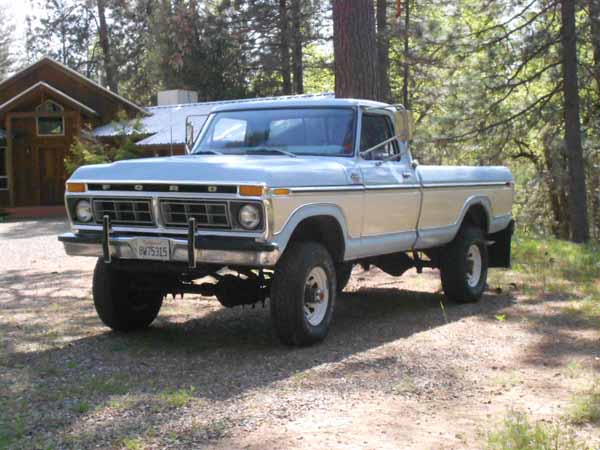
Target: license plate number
[[156, 249]]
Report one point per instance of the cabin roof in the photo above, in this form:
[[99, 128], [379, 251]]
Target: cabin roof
[[42, 86], [64, 79]]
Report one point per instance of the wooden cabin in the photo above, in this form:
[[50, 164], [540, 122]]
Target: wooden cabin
[[42, 109]]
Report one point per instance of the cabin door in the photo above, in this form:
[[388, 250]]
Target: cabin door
[[52, 175]]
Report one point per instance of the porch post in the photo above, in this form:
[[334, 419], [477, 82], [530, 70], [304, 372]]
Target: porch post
[[9, 160]]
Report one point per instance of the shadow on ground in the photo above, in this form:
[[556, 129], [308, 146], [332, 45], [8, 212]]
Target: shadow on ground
[[219, 353], [29, 229]]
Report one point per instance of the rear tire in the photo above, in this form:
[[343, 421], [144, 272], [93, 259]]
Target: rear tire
[[464, 266], [120, 304], [303, 294]]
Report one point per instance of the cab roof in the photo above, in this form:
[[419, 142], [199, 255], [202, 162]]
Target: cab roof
[[299, 103]]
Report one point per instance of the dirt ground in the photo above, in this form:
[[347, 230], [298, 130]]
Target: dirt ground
[[401, 368]]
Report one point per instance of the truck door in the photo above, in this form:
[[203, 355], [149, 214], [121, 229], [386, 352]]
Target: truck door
[[392, 191]]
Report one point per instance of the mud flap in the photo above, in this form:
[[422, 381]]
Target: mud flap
[[499, 251]]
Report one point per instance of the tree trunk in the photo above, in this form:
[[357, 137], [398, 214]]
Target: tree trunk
[[110, 78], [355, 49], [555, 181], [406, 69], [284, 41], [594, 7], [577, 191], [297, 55], [383, 52]]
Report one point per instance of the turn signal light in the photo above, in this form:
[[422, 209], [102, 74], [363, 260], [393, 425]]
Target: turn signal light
[[251, 191], [281, 191], [75, 187]]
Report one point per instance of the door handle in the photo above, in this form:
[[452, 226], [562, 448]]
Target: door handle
[[406, 174]]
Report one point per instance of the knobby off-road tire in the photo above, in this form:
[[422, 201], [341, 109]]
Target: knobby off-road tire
[[464, 265], [343, 274], [119, 304], [303, 294]]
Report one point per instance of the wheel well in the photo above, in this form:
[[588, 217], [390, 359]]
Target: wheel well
[[477, 215], [325, 230]]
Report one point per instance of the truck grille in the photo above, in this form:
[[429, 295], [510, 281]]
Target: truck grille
[[176, 213], [124, 211]]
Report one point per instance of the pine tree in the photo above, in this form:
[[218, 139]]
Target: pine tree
[[6, 33]]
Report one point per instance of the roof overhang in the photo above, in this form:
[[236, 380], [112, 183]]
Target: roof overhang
[[13, 102]]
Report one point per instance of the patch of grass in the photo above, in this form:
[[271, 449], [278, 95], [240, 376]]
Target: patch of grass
[[212, 431], [133, 444], [509, 379], [574, 369], [106, 385], [81, 407], [585, 408], [551, 266], [11, 431], [71, 365], [405, 384], [178, 398], [553, 261], [122, 402], [517, 432]]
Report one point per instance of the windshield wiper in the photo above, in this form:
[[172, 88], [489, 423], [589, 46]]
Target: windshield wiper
[[266, 150], [207, 152]]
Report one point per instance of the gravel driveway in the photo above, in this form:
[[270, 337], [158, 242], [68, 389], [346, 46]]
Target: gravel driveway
[[400, 369]]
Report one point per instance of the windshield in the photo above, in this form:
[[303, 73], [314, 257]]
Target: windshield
[[300, 131]]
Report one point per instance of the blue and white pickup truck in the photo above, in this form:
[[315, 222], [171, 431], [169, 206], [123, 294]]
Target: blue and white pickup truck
[[278, 201]]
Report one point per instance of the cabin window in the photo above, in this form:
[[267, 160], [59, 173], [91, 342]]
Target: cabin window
[[3, 169], [50, 120]]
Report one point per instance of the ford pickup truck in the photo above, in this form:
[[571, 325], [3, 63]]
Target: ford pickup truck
[[275, 202]]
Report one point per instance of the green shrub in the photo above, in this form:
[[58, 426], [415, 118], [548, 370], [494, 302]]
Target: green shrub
[[517, 433], [586, 407], [88, 151]]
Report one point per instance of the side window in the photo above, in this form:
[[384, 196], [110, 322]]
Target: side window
[[377, 128]]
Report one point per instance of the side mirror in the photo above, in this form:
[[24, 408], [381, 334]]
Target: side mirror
[[405, 125], [189, 135]]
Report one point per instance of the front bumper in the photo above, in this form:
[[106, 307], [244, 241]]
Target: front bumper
[[207, 249]]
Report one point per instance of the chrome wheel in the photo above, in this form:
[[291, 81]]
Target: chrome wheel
[[474, 265], [316, 296]]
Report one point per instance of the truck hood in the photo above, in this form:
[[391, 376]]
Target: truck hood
[[275, 171]]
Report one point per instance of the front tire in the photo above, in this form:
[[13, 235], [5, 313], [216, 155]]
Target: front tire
[[120, 303], [303, 294], [464, 266]]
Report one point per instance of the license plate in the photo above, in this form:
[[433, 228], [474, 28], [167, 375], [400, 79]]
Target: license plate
[[156, 249]]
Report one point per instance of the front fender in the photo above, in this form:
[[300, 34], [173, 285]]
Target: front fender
[[303, 212]]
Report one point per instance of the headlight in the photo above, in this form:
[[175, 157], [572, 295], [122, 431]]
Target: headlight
[[83, 211], [249, 217]]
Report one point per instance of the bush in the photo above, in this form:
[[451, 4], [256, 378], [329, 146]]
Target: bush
[[83, 153], [517, 433], [586, 407], [88, 151]]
